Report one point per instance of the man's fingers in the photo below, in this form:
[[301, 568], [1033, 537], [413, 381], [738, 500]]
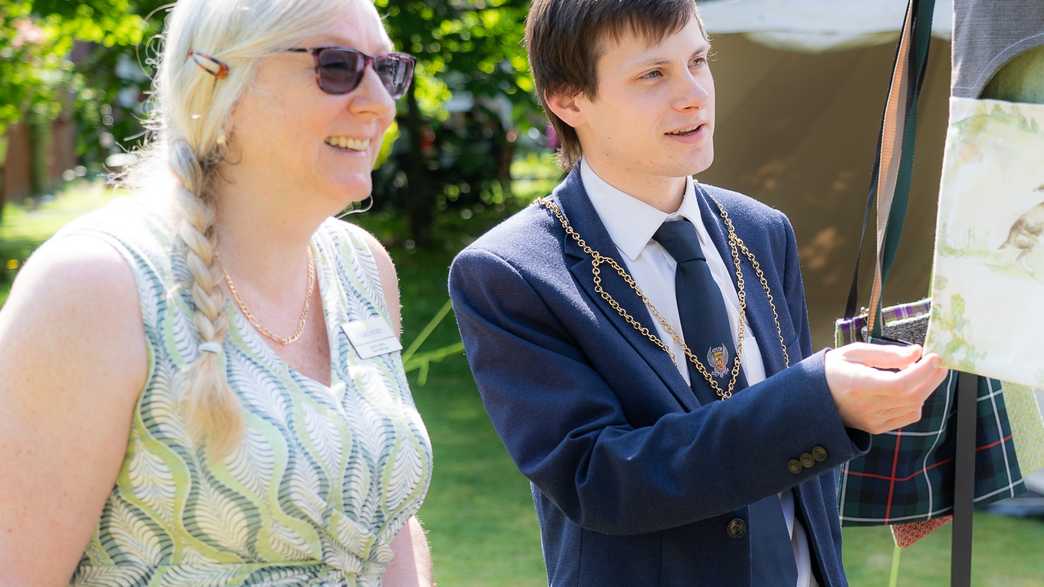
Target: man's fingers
[[880, 356], [904, 419], [922, 377], [934, 381], [880, 400], [916, 384]]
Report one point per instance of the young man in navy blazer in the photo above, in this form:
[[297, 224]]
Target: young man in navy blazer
[[612, 386]]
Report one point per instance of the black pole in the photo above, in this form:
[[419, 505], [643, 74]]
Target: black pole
[[964, 480]]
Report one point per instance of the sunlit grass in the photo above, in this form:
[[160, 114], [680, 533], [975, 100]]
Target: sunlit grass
[[28, 224], [44, 217]]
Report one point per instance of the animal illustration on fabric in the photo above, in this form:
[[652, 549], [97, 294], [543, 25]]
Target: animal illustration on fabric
[[989, 258], [1025, 232]]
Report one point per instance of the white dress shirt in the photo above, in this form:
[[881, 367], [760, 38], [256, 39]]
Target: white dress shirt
[[631, 224]]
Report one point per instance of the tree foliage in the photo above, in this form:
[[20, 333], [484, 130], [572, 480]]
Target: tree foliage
[[38, 76], [465, 48], [36, 40], [456, 126]]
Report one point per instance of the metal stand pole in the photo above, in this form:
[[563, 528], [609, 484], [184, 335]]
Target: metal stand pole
[[964, 480]]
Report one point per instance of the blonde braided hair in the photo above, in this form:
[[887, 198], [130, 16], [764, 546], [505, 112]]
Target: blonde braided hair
[[211, 409], [190, 110]]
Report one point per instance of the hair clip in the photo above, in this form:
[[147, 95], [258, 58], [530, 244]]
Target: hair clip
[[216, 68]]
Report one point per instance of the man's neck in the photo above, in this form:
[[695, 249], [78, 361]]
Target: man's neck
[[663, 193]]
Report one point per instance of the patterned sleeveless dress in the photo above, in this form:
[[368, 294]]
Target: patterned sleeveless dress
[[324, 478]]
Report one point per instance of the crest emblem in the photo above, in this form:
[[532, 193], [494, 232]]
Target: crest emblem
[[718, 359]]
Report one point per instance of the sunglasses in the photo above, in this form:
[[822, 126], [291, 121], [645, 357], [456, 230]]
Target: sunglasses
[[339, 70]]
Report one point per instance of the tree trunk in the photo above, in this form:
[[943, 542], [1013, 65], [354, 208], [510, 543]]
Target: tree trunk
[[420, 186]]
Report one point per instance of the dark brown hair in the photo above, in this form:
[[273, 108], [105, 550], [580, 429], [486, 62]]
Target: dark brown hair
[[564, 39]]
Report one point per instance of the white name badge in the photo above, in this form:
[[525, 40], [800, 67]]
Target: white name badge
[[371, 337]]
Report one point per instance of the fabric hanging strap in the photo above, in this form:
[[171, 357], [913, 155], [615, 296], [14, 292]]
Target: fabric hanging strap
[[892, 121], [897, 108], [890, 179], [922, 13], [885, 153], [889, 188], [897, 141]]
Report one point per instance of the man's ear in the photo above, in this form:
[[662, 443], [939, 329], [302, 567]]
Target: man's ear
[[567, 107]]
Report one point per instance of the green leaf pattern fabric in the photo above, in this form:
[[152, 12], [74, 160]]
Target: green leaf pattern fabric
[[325, 476]]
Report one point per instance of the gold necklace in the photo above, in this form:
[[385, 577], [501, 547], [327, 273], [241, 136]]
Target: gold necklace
[[736, 245], [301, 320]]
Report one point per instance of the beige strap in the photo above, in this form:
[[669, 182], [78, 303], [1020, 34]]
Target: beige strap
[[891, 133]]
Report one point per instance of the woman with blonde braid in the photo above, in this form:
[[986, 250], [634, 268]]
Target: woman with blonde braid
[[201, 384]]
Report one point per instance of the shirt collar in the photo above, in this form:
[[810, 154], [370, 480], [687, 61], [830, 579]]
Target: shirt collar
[[630, 222]]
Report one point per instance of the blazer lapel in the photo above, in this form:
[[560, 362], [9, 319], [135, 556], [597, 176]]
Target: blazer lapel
[[573, 199], [759, 314]]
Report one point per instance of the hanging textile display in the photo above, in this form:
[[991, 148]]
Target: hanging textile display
[[989, 250], [996, 132], [908, 479], [989, 258]]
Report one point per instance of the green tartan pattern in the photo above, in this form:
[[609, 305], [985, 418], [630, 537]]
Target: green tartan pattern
[[908, 474]]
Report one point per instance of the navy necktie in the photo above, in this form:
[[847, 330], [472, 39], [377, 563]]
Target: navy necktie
[[707, 332], [704, 318]]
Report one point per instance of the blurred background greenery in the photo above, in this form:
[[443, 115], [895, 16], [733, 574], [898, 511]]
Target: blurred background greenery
[[469, 148], [75, 76]]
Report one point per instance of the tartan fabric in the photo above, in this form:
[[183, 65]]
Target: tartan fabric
[[908, 475], [854, 329]]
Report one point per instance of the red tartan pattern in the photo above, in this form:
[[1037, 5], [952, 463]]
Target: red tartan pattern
[[906, 480]]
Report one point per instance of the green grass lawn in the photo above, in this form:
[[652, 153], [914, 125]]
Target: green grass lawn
[[479, 516], [25, 227]]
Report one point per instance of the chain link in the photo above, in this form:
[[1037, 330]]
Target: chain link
[[761, 276], [736, 245]]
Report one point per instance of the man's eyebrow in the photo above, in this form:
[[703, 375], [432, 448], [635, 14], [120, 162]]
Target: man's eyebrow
[[705, 48]]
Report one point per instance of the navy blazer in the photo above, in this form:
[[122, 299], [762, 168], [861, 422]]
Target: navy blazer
[[637, 480]]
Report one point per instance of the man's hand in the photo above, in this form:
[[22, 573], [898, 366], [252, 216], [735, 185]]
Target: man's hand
[[873, 400]]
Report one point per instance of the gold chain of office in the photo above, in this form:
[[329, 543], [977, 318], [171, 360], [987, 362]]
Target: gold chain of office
[[736, 245]]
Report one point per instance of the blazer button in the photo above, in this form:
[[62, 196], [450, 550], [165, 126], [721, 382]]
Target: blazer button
[[807, 461], [820, 454], [794, 466], [737, 528]]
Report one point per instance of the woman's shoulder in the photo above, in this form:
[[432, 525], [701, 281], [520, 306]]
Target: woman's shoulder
[[78, 267], [354, 244], [134, 218], [77, 292], [138, 226], [88, 251], [355, 241], [76, 356], [344, 233], [130, 242]]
